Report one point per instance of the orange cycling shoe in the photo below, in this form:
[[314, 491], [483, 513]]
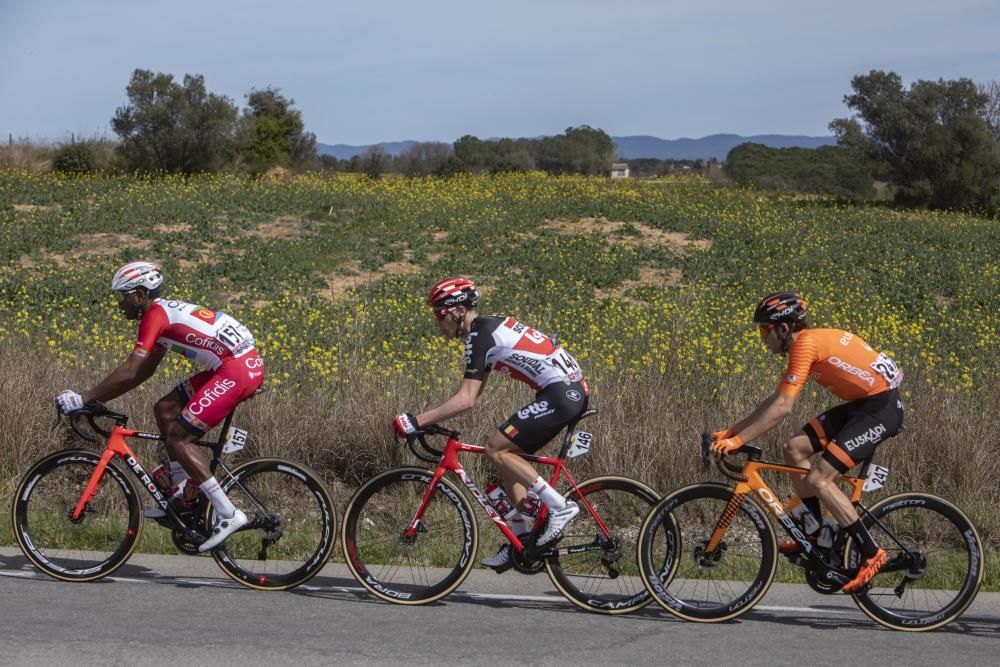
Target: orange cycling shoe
[[867, 572]]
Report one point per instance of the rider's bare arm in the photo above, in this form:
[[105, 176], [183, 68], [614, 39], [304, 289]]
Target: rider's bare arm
[[463, 400], [768, 414], [136, 370]]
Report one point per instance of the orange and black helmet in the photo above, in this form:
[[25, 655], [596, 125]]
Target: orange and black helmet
[[780, 307]]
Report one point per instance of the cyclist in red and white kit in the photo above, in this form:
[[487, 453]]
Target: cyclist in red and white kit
[[233, 372], [509, 347]]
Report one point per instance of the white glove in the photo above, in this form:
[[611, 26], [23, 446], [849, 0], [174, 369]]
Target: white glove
[[68, 401]]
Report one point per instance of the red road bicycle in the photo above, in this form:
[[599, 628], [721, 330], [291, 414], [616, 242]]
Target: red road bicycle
[[78, 517], [410, 535]]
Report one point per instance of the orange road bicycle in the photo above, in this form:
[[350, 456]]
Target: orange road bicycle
[[410, 535], [78, 517], [715, 557]]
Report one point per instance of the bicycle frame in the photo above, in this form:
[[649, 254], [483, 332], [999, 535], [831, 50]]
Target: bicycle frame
[[449, 463], [117, 447], [753, 482]]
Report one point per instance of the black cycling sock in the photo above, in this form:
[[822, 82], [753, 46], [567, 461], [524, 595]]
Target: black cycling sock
[[864, 539], [812, 502]]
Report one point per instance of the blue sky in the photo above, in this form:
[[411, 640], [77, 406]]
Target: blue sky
[[375, 70]]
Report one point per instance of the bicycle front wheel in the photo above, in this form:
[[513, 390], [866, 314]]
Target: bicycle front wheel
[[935, 567], [413, 570], [292, 525], [702, 563], [595, 566], [95, 544]]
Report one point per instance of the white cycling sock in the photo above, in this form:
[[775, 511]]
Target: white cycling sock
[[220, 501], [547, 494], [519, 523]]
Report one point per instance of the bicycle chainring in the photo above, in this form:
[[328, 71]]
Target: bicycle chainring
[[524, 566], [183, 545], [819, 582]]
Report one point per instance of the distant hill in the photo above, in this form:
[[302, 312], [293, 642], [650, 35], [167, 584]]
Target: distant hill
[[346, 151], [714, 146]]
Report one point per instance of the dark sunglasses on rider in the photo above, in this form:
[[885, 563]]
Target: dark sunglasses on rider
[[766, 329]]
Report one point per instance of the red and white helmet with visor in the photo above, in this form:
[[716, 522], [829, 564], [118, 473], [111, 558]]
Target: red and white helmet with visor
[[451, 293]]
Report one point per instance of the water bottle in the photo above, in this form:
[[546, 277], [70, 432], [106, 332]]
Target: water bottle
[[164, 479], [499, 500], [827, 533], [805, 519]]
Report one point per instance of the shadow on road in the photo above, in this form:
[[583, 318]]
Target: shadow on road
[[976, 626]]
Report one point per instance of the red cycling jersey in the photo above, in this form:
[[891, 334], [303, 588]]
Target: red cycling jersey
[[206, 336], [215, 341]]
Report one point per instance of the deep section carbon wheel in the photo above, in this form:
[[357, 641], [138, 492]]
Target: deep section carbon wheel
[[424, 565], [95, 543]]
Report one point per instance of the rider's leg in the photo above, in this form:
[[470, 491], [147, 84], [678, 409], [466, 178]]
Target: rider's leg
[[516, 474], [166, 411], [823, 477], [797, 452]]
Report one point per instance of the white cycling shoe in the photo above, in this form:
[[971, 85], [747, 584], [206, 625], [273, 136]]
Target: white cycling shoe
[[501, 560], [558, 520], [223, 529]]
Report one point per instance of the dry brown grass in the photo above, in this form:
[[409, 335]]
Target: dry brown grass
[[648, 428]]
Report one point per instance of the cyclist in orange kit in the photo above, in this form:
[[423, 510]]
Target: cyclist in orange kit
[[846, 434]]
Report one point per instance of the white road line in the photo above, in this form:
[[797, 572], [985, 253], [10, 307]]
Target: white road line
[[358, 589]]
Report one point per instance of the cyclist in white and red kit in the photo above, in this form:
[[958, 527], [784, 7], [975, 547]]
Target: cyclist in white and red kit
[[509, 347], [213, 340]]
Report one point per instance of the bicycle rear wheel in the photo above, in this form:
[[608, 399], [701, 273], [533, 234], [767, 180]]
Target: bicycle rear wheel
[[690, 577], [94, 545], [292, 525], [402, 570], [935, 577], [600, 573]]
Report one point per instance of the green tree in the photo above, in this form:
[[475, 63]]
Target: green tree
[[933, 139], [272, 132], [74, 158], [174, 127], [833, 170]]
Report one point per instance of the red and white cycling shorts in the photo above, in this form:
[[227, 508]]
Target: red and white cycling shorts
[[211, 395]]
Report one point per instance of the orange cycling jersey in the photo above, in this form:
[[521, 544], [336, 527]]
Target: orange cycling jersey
[[839, 361]]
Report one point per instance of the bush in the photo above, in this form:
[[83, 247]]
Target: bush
[[75, 158]]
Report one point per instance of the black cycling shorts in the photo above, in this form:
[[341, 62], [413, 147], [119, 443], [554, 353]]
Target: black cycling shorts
[[531, 427], [849, 433]]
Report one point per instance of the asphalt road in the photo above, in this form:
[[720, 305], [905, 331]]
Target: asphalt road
[[184, 611]]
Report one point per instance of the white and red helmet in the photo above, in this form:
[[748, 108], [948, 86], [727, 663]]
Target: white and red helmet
[[451, 293], [136, 274]]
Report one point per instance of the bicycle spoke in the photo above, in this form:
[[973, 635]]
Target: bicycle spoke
[[408, 570], [604, 579], [98, 541], [935, 577], [293, 525]]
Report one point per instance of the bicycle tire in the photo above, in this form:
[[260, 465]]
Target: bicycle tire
[[100, 541], [423, 569], [605, 581], [946, 577], [296, 519], [695, 587]]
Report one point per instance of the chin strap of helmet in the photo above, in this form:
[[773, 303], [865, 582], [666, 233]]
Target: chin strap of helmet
[[458, 326], [786, 340], [145, 303]]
